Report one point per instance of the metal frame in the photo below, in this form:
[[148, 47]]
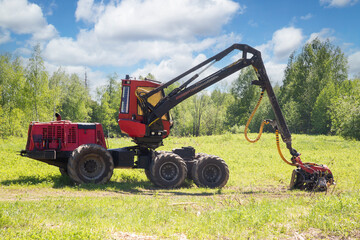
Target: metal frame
[[250, 56]]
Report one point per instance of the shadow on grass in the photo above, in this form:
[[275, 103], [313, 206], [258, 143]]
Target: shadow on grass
[[130, 186]]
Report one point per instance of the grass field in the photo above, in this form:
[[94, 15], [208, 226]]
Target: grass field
[[36, 202]]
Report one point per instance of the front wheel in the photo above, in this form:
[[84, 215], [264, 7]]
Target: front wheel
[[90, 163], [210, 171]]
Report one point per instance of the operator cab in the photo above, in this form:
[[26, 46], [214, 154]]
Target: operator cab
[[131, 116]]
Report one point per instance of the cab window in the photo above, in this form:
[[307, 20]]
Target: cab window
[[125, 99], [153, 100]]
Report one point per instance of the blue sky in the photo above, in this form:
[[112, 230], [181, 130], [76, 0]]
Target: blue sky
[[166, 37]]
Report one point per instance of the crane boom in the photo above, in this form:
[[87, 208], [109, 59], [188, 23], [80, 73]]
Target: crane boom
[[249, 56]]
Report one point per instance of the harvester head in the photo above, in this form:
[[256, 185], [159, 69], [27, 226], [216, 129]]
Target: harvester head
[[311, 176]]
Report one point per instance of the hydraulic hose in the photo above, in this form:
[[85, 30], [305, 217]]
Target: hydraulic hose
[[279, 149], [251, 117], [261, 131]]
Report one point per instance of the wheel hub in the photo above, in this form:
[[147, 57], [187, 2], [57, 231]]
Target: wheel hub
[[211, 173], [92, 166], [169, 171]]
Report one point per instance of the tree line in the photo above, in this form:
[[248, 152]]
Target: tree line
[[316, 97]]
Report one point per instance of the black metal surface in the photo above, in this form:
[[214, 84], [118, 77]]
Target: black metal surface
[[122, 157], [86, 126], [40, 155], [310, 181], [186, 153], [51, 157]]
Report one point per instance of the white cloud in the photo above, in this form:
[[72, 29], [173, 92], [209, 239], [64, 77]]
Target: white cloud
[[90, 52], [127, 32], [324, 34], [165, 37], [225, 41], [275, 72], [252, 23], [176, 65], [88, 11], [158, 19], [170, 68], [277, 50], [22, 17], [266, 50], [45, 33], [285, 41], [354, 63], [306, 17], [337, 3], [4, 36], [50, 8]]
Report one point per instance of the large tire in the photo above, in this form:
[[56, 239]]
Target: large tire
[[168, 170], [210, 171], [90, 163]]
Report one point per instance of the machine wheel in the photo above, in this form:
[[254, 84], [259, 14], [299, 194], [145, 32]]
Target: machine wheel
[[168, 170], [210, 171], [63, 171], [90, 163]]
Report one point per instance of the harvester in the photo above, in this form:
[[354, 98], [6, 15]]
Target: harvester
[[80, 150]]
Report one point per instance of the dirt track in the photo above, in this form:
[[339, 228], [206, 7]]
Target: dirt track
[[36, 194]]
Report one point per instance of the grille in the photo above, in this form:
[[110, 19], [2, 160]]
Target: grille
[[49, 133], [72, 135], [60, 133]]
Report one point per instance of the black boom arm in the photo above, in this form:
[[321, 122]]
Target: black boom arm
[[250, 56]]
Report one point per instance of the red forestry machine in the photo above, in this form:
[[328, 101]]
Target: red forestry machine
[[80, 151]]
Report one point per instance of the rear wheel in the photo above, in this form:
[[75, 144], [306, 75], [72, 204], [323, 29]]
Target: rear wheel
[[90, 163], [168, 170], [210, 171]]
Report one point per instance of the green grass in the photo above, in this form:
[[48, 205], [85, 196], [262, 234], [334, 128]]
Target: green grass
[[36, 202]]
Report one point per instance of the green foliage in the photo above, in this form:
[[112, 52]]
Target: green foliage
[[13, 97], [216, 118], [105, 110], [37, 87], [183, 118], [58, 86], [345, 110], [201, 114], [291, 110], [318, 66], [27, 94], [76, 101], [320, 116], [245, 96]]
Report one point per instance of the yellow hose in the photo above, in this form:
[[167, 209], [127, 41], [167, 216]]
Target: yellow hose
[[261, 131], [279, 150], [251, 117]]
